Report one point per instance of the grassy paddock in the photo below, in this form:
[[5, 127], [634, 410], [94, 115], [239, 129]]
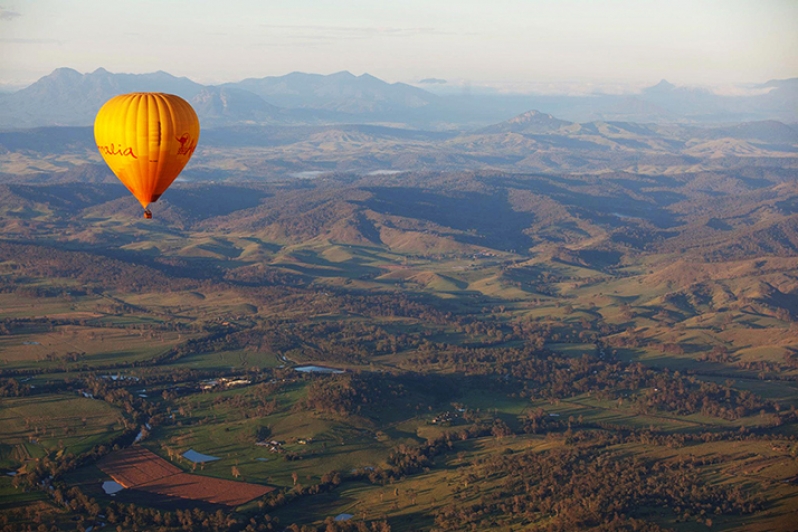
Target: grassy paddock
[[57, 422]]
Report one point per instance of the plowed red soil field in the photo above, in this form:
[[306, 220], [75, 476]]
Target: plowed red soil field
[[138, 468], [135, 466]]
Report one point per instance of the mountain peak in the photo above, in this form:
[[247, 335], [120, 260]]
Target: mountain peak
[[64, 72], [341, 92], [662, 86], [68, 98], [538, 119], [531, 122], [529, 116]]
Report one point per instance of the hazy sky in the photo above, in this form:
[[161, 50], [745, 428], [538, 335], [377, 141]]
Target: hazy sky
[[509, 43]]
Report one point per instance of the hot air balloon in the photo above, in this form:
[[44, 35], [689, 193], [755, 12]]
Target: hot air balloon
[[146, 138]]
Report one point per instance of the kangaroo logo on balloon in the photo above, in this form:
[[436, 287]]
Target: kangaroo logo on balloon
[[186, 144]]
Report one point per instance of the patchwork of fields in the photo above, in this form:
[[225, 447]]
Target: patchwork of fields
[[527, 372]]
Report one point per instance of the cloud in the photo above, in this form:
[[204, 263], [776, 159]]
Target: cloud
[[352, 32], [733, 90], [5, 14], [433, 81], [292, 36], [12, 40]]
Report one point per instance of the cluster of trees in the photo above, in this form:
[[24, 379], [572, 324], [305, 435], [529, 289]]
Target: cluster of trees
[[585, 487], [39, 291], [672, 392], [13, 388], [255, 402], [539, 374], [349, 394], [263, 275], [342, 396], [89, 269], [378, 393], [331, 525], [394, 305], [123, 516], [137, 408], [332, 340]]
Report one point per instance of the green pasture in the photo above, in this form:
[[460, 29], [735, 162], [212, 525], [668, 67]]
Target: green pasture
[[225, 431], [17, 305], [409, 503], [227, 360], [488, 401], [623, 412], [38, 346], [335, 445], [573, 350], [189, 306], [11, 497], [612, 412], [56, 422], [783, 391]]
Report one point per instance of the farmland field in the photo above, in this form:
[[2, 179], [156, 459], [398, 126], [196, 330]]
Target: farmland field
[[61, 422], [138, 469]]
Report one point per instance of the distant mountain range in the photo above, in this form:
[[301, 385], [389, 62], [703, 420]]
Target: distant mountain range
[[69, 98], [530, 142]]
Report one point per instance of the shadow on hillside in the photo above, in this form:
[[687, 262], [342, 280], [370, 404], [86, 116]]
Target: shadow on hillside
[[195, 202], [314, 265], [212, 200], [610, 210], [71, 196], [489, 219]]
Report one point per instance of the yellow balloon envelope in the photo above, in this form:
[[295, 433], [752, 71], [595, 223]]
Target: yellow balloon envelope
[[146, 138]]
